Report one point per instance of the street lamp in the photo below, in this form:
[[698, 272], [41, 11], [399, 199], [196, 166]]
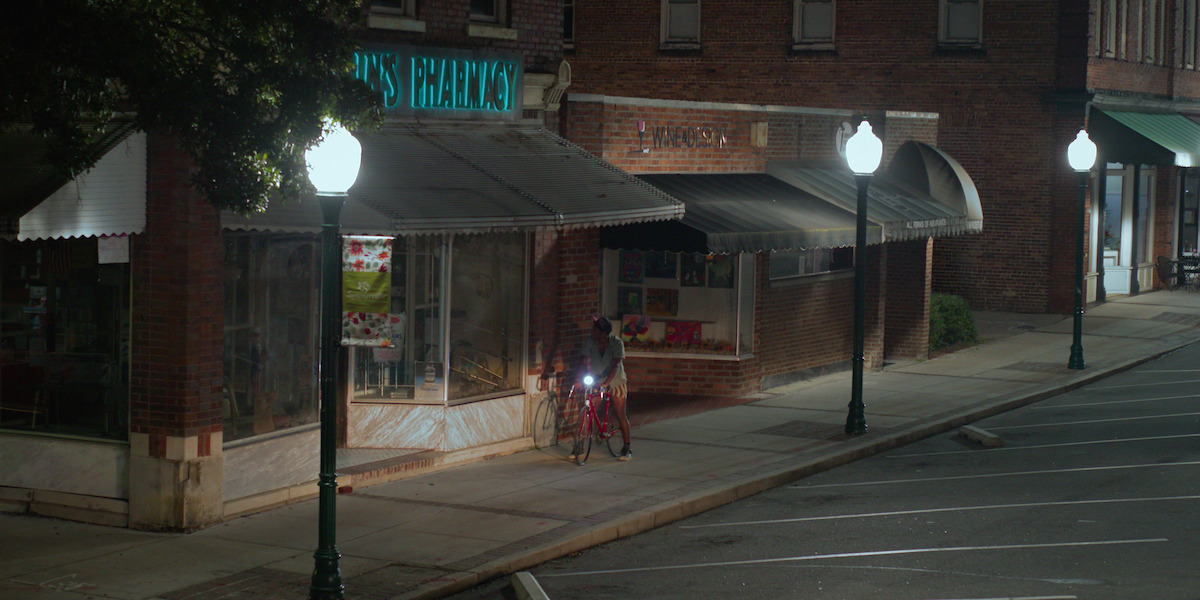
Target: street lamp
[[863, 153], [1082, 156], [332, 168]]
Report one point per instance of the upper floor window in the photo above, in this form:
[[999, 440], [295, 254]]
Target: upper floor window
[[1109, 24], [960, 22], [1151, 36], [812, 23], [488, 11], [568, 23], [1188, 24], [680, 23], [404, 8]]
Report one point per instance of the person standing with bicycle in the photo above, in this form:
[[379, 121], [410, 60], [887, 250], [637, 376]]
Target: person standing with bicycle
[[604, 358]]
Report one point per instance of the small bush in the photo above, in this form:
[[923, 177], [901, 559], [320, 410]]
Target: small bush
[[950, 321]]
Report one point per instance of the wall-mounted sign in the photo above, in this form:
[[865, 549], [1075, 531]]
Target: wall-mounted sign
[[680, 136], [442, 82]]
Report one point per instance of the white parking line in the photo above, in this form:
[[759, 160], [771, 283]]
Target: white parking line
[[1091, 404], [1044, 446], [1094, 421], [994, 475], [1130, 385], [866, 554], [897, 513]]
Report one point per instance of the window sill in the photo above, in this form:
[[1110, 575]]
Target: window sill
[[814, 49], [491, 31], [379, 20], [964, 49], [680, 47], [688, 355]]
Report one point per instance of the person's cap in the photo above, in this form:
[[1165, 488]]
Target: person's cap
[[603, 324]]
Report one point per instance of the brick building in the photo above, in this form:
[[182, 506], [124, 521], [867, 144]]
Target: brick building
[[159, 356], [1002, 87]]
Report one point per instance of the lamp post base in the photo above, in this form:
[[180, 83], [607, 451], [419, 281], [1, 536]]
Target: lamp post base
[[1076, 360]]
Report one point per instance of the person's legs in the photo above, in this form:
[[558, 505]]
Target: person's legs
[[619, 396]]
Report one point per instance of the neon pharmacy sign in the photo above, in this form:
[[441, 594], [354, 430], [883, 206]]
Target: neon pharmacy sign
[[417, 82]]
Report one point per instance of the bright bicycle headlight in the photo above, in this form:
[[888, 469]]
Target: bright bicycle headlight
[[588, 380]]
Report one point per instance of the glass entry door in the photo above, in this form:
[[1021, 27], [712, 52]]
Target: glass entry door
[[1116, 227]]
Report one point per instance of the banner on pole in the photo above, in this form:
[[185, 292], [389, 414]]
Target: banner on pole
[[367, 318]]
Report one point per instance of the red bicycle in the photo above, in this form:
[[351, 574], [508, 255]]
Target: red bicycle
[[597, 420]]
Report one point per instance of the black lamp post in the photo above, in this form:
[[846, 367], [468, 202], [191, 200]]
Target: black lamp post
[[332, 168], [1082, 156], [863, 153]]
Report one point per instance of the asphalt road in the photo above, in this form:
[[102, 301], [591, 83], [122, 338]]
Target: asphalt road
[[1093, 494]]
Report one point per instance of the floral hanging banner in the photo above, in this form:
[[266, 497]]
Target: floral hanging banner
[[367, 293]]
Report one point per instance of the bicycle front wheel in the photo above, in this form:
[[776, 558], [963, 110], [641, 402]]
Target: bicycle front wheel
[[583, 439], [612, 430]]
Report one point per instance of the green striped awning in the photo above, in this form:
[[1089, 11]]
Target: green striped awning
[[1173, 132]]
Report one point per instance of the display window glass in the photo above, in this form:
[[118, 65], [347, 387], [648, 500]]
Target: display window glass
[[463, 322], [271, 324], [679, 302], [64, 339]]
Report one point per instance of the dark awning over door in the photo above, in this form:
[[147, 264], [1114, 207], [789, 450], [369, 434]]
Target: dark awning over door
[[1146, 138], [739, 212]]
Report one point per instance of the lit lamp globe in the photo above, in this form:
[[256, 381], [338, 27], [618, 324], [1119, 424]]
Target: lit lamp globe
[[1082, 153], [864, 150], [333, 163]]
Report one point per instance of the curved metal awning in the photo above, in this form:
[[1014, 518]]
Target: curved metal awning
[[431, 178], [923, 193]]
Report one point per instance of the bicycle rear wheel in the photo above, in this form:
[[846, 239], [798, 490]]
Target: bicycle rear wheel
[[612, 430], [583, 438]]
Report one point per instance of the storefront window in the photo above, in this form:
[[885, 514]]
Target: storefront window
[[64, 339], [786, 264], [485, 314], [399, 372], [680, 302], [1114, 192], [271, 326]]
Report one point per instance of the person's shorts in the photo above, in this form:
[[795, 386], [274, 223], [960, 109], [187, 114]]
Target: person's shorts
[[618, 390]]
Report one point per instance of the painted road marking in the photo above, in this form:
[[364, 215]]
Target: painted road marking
[[1094, 421], [865, 554], [1091, 404], [1191, 463], [1044, 446], [942, 510], [1130, 385]]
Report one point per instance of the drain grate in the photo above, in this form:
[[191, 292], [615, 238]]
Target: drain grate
[[806, 429]]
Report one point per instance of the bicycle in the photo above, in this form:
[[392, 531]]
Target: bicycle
[[604, 430]]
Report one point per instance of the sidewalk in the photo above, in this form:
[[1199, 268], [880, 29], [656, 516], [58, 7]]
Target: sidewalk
[[431, 535]]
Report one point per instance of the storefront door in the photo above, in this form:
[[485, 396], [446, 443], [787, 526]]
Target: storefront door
[[1117, 229]]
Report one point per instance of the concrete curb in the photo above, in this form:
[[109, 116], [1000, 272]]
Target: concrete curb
[[697, 502]]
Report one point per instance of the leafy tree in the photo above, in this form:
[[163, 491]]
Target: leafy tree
[[242, 85]]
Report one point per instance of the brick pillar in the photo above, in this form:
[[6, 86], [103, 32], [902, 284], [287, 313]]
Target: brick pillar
[[175, 468], [910, 277]]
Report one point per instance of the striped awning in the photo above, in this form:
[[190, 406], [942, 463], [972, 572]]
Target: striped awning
[[740, 212], [1170, 134], [423, 178]]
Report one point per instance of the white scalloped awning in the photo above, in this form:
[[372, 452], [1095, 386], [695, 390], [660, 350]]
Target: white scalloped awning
[[420, 178]]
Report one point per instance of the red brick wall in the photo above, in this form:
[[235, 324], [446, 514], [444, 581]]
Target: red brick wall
[[908, 290], [178, 315], [538, 24]]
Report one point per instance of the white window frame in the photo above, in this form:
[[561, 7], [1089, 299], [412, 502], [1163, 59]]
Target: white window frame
[[950, 38], [400, 8], [568, 15], [798, 38], [1189, 34], [500, 16], [1108, 47], [667, 40]]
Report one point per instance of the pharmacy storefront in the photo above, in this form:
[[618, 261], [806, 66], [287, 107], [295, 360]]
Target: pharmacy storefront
[[437, 240]]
